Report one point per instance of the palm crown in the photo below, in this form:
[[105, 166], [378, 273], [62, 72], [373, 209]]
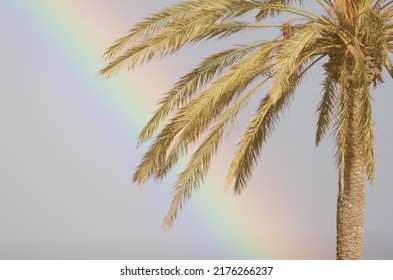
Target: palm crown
[[351, 38]]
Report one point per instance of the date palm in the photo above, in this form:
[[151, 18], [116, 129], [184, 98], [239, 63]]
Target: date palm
[[351, 40]]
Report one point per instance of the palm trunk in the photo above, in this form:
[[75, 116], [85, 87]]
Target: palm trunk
[[351, 195]]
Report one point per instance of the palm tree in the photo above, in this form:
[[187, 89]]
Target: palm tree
[[350, 39]]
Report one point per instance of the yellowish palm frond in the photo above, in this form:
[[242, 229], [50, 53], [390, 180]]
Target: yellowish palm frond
[[150, 27], [199, 163], [249, 147], [190, 10], [175, 27], [388, 66], [368, 132], [277, 7], [191, 83], [175, 38], [342, 129], [273, 8], [326, 107], [259, 129], [288, 58], [164, 43], [195, 117], [342, 134]]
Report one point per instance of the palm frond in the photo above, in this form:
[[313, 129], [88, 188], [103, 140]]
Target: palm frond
[[191, 83], [277, 7], [367, 127], [191, 10], [273, 8], [195, 117], [249, 147], [342, 129], [389, 67], [325, 108], [167, 42], [175, 38], [151, 26], [199, 164], [258, 130], [179, 25], [288, 56]]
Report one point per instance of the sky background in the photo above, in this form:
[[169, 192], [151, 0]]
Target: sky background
[[68, 151]]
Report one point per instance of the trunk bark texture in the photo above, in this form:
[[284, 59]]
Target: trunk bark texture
[[351, 194]]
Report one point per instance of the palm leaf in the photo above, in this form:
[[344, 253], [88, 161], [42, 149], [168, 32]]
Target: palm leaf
[[342, 130], [273, 8], [194, 117], [191, 83], [191, 10], [368, 132], [199, 164], [258, 130], [287, 58], [174, 27], [326, 107]]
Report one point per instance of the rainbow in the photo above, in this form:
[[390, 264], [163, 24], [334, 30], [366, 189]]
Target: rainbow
[[251, 226]]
